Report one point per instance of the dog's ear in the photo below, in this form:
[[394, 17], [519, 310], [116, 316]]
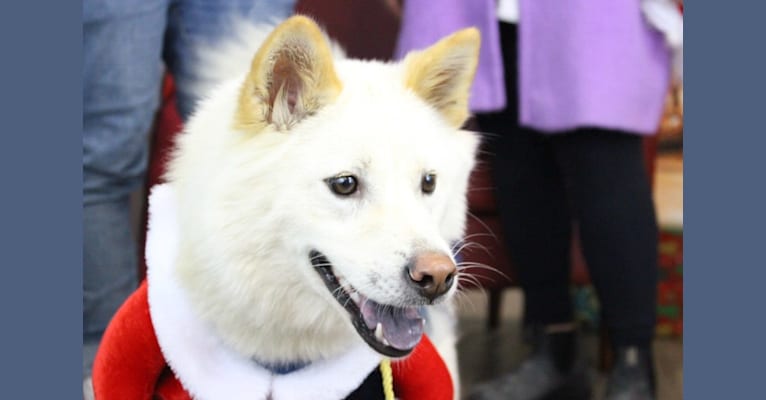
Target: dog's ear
[[291, 77], [442, 74]]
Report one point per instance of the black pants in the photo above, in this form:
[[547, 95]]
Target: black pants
[[594, 178]]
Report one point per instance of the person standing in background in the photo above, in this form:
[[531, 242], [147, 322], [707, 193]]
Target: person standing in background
[[585, 82]]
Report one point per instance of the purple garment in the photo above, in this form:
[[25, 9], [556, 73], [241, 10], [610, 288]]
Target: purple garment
[[424, 22], [590, 63]]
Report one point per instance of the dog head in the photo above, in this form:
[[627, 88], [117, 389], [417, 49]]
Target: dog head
[[319, 198]]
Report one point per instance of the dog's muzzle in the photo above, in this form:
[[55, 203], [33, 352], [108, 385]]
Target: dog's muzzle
[[389, 330]]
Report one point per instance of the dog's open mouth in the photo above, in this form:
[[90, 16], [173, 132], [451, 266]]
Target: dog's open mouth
[[389, 330]]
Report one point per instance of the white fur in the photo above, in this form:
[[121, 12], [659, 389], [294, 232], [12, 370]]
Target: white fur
[[252, 206]]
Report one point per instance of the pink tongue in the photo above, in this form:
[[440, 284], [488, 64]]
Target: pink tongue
[[402, 327]]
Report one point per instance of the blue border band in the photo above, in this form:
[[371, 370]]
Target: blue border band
[[725, 197], [41, 200]]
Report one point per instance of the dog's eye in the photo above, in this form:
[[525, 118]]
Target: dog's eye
[[344, 185], [428, 183]]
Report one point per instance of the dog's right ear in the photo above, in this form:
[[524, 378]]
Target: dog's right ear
[[443, 73], [291, 77]]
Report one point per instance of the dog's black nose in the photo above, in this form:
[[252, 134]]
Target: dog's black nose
[[431, 274]]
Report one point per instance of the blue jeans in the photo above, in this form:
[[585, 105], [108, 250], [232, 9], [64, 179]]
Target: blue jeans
[[126, 45]]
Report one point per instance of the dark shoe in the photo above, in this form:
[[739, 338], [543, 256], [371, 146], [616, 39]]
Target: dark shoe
[[633, 375], [549, 373]]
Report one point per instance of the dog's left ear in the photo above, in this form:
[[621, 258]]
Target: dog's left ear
[[291, 77], [442, 74]]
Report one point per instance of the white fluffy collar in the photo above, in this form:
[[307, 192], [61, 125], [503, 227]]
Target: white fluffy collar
[[208, 369]]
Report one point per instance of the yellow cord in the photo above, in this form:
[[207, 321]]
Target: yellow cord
[[388, 379]]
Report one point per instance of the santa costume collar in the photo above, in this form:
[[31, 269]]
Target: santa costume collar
[[203, 364]]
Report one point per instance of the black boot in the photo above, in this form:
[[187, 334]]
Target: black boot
[[549, 373], [632, 377]]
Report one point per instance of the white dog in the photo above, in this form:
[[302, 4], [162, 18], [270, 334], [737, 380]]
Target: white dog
[[317, 199]]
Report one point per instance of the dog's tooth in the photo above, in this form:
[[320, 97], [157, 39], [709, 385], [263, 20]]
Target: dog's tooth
[[379, 331], [385, 342], [355, 297]]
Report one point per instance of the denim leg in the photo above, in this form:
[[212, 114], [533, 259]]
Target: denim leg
[[121, 82], [110, 269], [195, 22], [122, 68]]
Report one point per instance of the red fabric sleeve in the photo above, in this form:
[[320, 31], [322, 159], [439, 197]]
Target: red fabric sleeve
[[129, 360], [423, 375]]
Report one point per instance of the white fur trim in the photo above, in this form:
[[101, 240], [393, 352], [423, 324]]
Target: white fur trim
[[204, 365]]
